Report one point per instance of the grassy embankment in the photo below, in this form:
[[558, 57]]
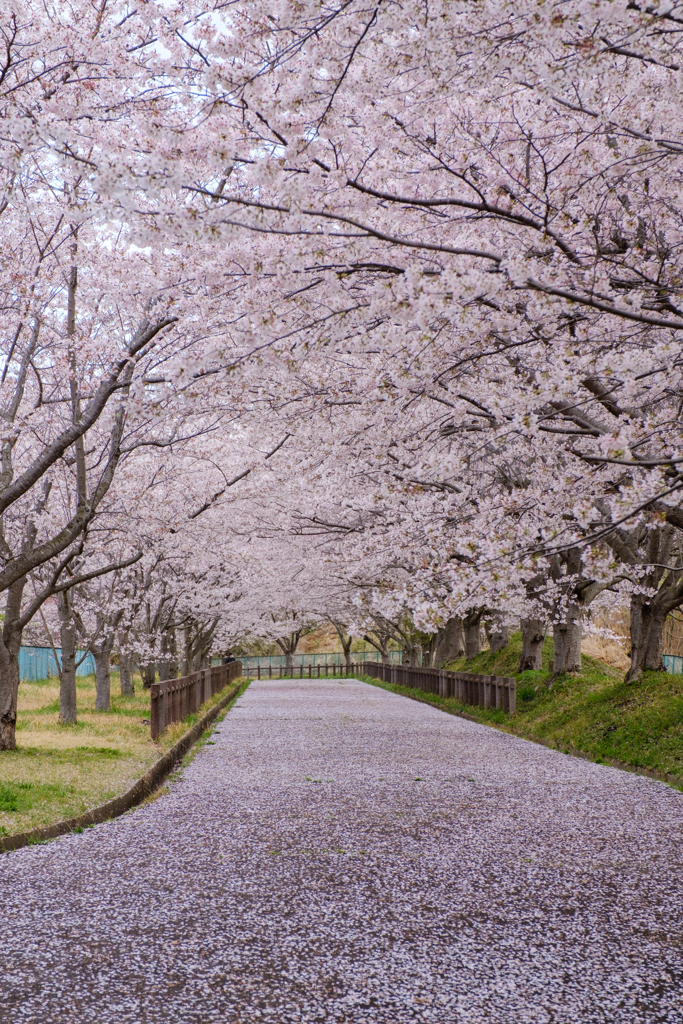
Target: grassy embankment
[[57, 772], [596, 712]]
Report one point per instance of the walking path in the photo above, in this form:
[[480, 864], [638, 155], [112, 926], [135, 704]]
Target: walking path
[[342, 854]]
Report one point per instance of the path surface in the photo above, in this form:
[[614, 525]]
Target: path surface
[[344, 854]]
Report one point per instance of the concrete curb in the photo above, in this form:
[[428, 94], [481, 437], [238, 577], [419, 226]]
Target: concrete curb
[[138, 792]]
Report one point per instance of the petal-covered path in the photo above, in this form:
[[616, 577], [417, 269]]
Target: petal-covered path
[[344, 854]]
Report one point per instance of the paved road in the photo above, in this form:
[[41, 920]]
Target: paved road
[[342, 854]]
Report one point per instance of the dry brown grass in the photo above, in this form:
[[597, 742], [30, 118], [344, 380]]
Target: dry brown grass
[[609, 652]]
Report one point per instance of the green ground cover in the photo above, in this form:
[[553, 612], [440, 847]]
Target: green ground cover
[[57, 771], [639, 723]]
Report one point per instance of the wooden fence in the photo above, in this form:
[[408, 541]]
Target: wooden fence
[[302, 671], [173, 699], [467, 687]]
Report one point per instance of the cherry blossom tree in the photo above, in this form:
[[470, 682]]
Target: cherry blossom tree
[[389, 298]]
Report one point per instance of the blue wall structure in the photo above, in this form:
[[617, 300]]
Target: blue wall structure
[[39, 663], [673, 664]]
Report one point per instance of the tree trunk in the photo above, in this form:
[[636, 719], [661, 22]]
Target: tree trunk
[[173, 652], [187, 666], [347, 654], [164, 663], [10, 643], [472, 625], [345, 640], [430, 650], [533, 635], [498, 638], [168, 665], [381, 644], [67, 674], [497, 633], [127, 686], [451, 644], [647, 637], [102, 655], [9, 692], [567, 642], [149, 674], [411, 655], [288, 646]]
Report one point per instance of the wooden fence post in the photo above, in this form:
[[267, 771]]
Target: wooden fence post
[[154, 711]]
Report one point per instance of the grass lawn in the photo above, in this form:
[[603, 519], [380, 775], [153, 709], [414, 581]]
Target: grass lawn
[[639, 723], [57, 772]]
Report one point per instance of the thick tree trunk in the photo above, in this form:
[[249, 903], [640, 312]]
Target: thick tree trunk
[[472, 625], [411, 655], [498, 638], [566, 570], [451, 642], [127, 686], [497, 633], [149, 674], [533, 635], [102, 655], [289, 661], [10, 643], [67, 675], [647, 636], [9, 692], [567, 642]]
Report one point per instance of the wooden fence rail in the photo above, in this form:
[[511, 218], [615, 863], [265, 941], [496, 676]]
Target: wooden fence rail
[[467, 687], [173, 699]]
